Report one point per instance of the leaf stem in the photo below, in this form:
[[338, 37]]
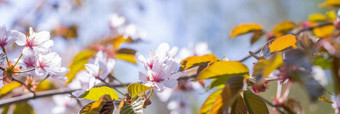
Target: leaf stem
[[25, 71], [4, 50], [17, 60]]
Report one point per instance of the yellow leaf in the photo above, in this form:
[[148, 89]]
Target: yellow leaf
[[194, 61], [283, 28], [221, 68], [330, 3], [323, 98], [282, 43], [208, 103], [324, 31], [126, 55], [331, 15], [316, 17], [8, 88], [96, 92], [78, 64], [245, 28], [103, 104], [135, 89], [45, 85], [263, 68]]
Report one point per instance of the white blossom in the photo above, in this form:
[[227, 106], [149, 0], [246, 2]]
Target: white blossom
[[8, 37], [63, 104], [36, 43], [116, 20], [102, 66], [161, 53], [50, 64], [162, 69]]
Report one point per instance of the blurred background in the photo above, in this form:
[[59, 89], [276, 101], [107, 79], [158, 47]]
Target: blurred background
[[181, 23]]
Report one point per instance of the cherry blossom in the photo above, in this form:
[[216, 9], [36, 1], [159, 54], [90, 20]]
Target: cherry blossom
[[161, 69], [116, 20], [64, 103], [102, 66], [161, 53], [8, 37], [36, 43], [50, 64]]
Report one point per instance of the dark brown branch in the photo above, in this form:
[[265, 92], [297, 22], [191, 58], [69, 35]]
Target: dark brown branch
[[49, 93]]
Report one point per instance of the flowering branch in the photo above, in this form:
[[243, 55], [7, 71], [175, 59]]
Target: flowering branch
[[22, 83], [43, 94]]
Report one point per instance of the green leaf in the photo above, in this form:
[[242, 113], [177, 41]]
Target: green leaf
[[221, 68], [232, 88], [239, 107], [104, 105], [194, 61], [126, 55], [95, 93], [135, 89], [8, 88], [78, 64], [23, 108], [208, 103], [255, 104], [325, 63], [135, 107]]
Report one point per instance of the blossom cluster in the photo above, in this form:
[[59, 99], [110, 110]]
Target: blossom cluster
[[36, 57]]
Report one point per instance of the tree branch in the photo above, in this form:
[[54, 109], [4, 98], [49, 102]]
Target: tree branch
[[49, 93]]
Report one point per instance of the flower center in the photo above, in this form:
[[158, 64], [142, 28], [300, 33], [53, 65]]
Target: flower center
[[156, 78], [42, 65], [30, 43], [3, 42]]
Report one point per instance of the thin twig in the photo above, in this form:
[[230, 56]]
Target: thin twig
[[78, 101], [107, 84], [120, 82]]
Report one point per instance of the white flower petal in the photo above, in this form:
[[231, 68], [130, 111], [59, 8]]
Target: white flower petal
[[18, 37], [92, 69]]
